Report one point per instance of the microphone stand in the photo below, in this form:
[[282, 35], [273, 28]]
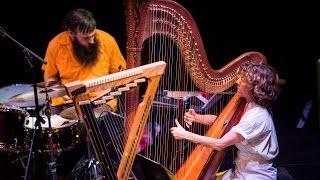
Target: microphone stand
[[29, 58], [52, 164], [39, 119], [4, 34]]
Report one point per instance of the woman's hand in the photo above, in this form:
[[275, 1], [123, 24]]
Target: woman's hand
[[178, 132], [189, 117]]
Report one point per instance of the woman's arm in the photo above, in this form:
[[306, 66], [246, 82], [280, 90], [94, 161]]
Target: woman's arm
[[228, 139], [191, 116]]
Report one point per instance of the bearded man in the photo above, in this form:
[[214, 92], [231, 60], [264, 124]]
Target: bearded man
[[81, 51]]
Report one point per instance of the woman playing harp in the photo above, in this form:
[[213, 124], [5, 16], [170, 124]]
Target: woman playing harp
[[255, 135]]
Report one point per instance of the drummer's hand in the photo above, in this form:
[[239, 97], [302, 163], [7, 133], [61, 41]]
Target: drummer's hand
[[189, 117], [49, 81]]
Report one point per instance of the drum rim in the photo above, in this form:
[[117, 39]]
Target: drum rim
[[71, 123], [21, 111], [11, 148]]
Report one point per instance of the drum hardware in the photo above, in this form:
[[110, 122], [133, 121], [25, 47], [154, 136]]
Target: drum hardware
[[88, 167], [66, 144], [64, 137], [38, 128], [39, 133]]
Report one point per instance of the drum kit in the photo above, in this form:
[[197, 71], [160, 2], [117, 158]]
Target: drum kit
[[28, 126], [17, 123]]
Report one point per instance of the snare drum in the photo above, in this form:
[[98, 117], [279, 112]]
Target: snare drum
[[11, 128], [64, 133]]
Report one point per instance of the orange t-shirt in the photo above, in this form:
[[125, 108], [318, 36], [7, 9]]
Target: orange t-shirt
[[62, 64]]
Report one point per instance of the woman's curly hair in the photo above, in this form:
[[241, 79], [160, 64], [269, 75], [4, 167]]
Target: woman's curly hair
[[263, 80]]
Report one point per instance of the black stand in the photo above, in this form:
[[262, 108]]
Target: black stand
[[87, 167], [29, 58], [52, 164]]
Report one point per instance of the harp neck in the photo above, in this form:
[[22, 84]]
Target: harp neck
[[169, 19]]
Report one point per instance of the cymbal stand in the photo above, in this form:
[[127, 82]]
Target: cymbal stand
[[39, 119], [52, 164]]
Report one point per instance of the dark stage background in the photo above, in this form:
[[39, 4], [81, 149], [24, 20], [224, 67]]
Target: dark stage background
[[288, 37]]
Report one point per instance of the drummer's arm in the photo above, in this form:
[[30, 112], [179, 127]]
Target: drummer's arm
[[50, 70], [49, 79]]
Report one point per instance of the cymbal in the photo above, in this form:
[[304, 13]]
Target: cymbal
[[54, 91], [69, 113], [6, 92], [26, 99]]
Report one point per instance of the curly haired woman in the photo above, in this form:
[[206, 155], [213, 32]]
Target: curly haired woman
[[255, 135]]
